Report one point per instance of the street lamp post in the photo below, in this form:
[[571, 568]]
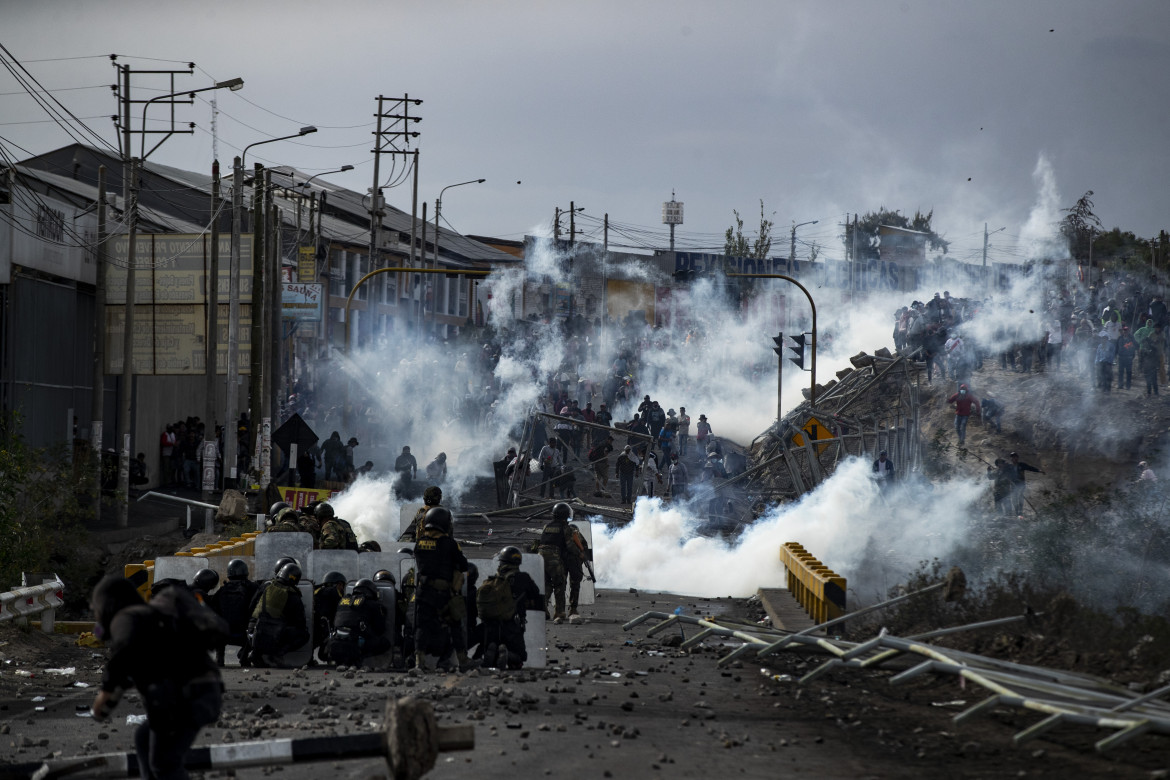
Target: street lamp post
[[233, 369], [131, 261], [792, 243], [438, 209]]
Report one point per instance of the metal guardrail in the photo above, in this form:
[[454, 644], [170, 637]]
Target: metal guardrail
[[189, 502], [43, 600], [1060, 697], [815, 586]]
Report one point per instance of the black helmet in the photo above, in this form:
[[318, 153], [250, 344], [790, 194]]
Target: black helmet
[[365, 587], [369, 546], [562, 511], [334, 578], [324, 511], [439, 517], [282, 563], [406, 551], [237, 569], [384, 575], [206, 580], [279, 505], [290, 573], [511, 555]]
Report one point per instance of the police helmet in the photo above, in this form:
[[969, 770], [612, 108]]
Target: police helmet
[[384, 575], [439, 517], [290, 573], [237, 569], [365, 587], [325, 512], [206, 580], [334, 578], [282, 563], [433, 495], [562, 511], [511, 555], [369, 546], [279, 505], [406, 551]]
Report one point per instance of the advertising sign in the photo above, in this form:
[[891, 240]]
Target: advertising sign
[[302, 302], [307, 265]]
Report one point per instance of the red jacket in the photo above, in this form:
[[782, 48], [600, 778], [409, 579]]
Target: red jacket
[[964, 403]]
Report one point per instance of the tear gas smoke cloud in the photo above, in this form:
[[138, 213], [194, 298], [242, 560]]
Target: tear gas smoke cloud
[[872, 538], [425, 396]]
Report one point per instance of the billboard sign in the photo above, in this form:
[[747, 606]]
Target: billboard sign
[[302, 302]]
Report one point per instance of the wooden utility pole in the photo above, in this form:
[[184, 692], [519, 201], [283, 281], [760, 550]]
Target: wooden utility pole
[[97, 397], [256, 383]]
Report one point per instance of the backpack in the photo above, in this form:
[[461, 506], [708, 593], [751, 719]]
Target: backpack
[[494, 599]]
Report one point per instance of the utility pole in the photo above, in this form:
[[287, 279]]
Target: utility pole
[[376, 210], [256, 383], [572, 222], [556, 223], [230, 429], [398, 129], [97, 399], [211, 350]]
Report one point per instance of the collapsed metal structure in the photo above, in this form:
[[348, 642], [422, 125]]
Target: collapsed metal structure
[[1060, 697], [871, 407]]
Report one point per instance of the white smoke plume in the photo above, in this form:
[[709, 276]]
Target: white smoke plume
[[871, 537]]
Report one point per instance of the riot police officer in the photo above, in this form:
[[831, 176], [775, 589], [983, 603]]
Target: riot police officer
[[336, 534], [231, 602], [359, 629], [326, 597], [504, 600], [552, 545], [278, 623], [440, 565]]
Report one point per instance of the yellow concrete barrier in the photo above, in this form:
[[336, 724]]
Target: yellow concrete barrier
[[816, 587]]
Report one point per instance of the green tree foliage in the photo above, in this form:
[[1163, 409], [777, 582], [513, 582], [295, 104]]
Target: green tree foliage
[[1118, 246], [39, 510], [736, 244], [867, 231], [1078, 226]]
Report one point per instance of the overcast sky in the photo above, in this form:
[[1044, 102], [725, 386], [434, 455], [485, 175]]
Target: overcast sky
[[818, 108]]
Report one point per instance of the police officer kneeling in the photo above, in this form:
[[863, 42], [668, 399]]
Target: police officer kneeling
[[162, 649], [503, 601], [359, 629], [278, 623]]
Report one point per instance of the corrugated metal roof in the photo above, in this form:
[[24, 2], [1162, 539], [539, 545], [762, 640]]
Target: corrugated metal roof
[[150, 220], [351, 224]]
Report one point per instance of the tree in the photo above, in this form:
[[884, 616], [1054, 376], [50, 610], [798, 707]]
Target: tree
[[736, 243], [1078, 225], [868, 225]]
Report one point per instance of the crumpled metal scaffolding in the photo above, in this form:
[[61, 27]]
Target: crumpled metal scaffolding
[[1061, 697]]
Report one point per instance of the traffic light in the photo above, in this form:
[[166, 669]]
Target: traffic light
[[779, 348], [799, 350]]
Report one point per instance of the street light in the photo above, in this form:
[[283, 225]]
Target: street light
[[128, 321], [792, 245], [438, 209], [233, 368], [342, 169], [235, 85]]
